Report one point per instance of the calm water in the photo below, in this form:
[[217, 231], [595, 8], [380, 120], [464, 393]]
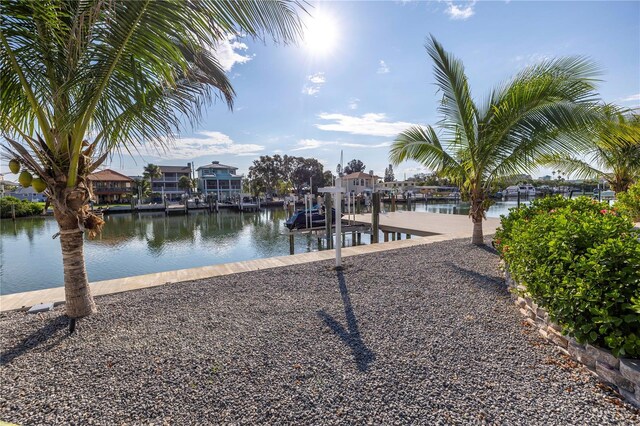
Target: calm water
[[152, 242]]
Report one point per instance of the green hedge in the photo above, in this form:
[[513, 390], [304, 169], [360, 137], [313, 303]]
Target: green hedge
[[580, 260], [22, 207], [628, 203]]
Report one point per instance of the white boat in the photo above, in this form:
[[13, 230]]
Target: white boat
[[525, 190]]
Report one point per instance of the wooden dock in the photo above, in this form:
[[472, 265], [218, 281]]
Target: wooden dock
[[423, 224]]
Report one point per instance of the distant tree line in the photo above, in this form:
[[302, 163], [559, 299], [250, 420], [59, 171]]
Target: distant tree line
[[283, 174]]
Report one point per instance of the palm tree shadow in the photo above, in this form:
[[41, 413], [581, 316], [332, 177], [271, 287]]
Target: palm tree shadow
[[351, 336], [36, 339]]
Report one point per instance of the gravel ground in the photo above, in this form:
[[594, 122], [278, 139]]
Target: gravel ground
[[425, 335]]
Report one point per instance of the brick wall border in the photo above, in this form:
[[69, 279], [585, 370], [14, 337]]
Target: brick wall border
[[623, 374]]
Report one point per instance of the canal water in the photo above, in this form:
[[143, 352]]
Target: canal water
[[152, 242]]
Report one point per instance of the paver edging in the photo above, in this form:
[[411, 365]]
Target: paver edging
[[623, 374]]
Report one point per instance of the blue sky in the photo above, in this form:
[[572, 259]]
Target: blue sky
[[367, 76]]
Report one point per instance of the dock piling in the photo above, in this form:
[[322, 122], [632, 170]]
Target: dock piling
[[375, 217]]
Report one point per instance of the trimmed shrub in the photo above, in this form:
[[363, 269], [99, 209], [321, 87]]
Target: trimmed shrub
[[628, 203], [22, 207], [580, 260]]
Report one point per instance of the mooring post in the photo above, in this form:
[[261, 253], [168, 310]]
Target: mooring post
[[398, 236], [519, 198], [393, 202], [353, 238], [291, 244], [375, 217], [359, 238], [319, 243], [386, 236], [13, 211]]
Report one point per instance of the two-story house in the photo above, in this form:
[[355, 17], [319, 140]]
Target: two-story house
[[110, 187], [358, 183], [167, 184], [220, 181]]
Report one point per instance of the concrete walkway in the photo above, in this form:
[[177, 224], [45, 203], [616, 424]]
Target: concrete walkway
[[422, 224]]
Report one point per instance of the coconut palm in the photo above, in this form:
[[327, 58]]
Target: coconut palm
[[186, 183], [613, 156], [151, 172], [84, 79], [542, 110]]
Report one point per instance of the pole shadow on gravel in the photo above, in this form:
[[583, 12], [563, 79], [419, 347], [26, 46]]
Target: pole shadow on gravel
[[36, 339], [351, 336]]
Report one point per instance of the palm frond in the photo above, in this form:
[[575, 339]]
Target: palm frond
[[458, 111], [423, 145]]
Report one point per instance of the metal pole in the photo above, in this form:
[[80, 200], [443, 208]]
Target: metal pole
[[338, 223], [518, 197]]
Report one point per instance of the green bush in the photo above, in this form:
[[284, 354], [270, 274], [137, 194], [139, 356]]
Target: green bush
[[580, 260], [628, 202], [22, 207]]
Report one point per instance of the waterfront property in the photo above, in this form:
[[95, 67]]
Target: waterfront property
[[220, 181], [360, 182], [28, 194], [110, 186], [167, 184]]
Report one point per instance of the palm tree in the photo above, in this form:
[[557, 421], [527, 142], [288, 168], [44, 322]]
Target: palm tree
[[186, 183], [614, 155], [84, 79], [151, 172], [141, 188], [543, 109]]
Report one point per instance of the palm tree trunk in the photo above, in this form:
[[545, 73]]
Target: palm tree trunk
[[79, 302], [477, 237], [477, 216]]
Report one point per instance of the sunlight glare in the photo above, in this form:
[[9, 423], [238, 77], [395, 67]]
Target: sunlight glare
[[320, 34]]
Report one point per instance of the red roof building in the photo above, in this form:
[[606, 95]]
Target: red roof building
[[111, 187]]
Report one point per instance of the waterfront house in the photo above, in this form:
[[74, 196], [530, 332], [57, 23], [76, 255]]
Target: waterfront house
[[28, 194], [167, 184], [359, 182], [219, 181], [111, 187]]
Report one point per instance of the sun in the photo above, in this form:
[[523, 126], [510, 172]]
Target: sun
[[320, 34]]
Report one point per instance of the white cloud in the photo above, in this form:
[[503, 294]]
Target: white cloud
[[304, 144], [204, 143], [364, 145], [353, 103], [310, 90], [315, 82], [371, 124], [632, 98], [226, 53], [532, 58], [383, 68], [460, 12], [317, 78]]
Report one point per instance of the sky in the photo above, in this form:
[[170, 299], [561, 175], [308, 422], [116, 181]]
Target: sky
[[363, 75]]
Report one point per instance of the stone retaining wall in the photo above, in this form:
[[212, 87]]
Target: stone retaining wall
[[623, 374]]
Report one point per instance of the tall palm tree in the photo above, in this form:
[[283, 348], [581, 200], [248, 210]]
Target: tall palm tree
[[186, 183], [613, 156], [151, 172], [84, 79], [542, 110]]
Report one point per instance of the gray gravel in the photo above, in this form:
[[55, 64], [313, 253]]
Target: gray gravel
[[425, 335]]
